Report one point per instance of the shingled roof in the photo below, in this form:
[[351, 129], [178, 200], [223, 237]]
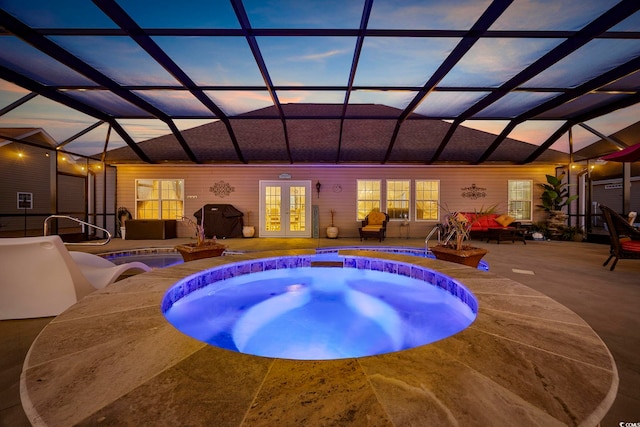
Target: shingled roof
[[316, 134]]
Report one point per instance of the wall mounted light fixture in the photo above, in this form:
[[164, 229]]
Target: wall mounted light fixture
[[318, 186]]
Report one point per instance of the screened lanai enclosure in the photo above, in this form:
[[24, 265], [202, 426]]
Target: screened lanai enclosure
[[87, 85]]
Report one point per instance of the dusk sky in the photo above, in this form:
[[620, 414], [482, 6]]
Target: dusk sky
[[393, 62]]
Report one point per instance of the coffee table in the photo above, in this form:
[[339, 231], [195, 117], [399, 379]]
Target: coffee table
[[506, 233]]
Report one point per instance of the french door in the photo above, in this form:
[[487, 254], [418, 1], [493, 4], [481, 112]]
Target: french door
[[285, 208]]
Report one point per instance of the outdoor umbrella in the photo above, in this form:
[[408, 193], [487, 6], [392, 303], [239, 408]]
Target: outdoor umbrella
[[629, 154]]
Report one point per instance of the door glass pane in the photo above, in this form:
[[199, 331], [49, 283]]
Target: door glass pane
[[272, 196], [297, 211]]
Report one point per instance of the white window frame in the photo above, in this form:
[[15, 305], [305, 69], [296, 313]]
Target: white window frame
[[159, 198], [419, 199], [391, 183], [375, 203], [519, 215]]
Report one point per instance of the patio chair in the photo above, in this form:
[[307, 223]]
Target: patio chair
[[625, 239], [41, 278], [374, 225]]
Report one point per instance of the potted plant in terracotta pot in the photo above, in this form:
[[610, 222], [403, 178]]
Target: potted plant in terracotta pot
[[332, 231], [203, 248], [248, 230], [456, 229]]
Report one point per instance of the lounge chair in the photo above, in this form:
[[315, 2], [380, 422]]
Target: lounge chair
[[625, 239], [39, 277], [374, 225]]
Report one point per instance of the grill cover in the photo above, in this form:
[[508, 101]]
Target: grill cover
[[221, 221]]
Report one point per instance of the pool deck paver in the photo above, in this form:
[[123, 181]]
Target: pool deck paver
[[112, 359]]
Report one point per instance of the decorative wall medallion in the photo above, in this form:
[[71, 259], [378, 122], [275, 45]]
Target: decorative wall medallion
[[337, 188], [221, 189], [474, 192]]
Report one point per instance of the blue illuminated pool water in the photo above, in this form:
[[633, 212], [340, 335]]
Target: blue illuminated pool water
[[319, 313], [153, 257]]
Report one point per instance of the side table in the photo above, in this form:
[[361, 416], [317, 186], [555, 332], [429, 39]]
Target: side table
[[406, 226]]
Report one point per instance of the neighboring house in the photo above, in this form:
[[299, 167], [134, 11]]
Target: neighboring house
[[26, 170], [49, 182]]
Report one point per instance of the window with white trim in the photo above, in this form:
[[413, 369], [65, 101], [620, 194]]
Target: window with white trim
[[427, 200], [159, 198], [369, 197], [520, 199], [398, 195]]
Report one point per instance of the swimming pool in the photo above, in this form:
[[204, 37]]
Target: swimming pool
[[153, 257], [166, 257], [288, 308]]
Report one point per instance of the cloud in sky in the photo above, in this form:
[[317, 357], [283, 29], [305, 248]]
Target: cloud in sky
[[133, 66], [436, 14], [551, 14], [395, 61], [141, 130], [491, 126], [235, 102], [304, 14], [535, 131], [10, 93], [59, 121], [320, 56], [491, 62], [213, 60], [329, 97], [316, 60]]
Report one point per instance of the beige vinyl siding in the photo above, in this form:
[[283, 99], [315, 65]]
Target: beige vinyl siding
[[245, 181]]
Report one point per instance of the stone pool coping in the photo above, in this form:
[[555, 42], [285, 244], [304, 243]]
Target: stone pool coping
[[113, 359]]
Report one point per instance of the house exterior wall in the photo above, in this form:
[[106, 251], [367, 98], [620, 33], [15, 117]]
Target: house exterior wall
[[610, 192], [245, 180], [33, 172]]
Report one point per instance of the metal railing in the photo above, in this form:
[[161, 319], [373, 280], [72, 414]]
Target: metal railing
[[82, 224], [440, 229]]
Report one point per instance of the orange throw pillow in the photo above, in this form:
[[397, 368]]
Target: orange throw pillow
[[504, 220]]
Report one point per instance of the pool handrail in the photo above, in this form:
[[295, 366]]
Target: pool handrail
[[439, 228], [82, 223]]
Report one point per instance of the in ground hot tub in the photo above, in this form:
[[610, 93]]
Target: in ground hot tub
[[298, 308]]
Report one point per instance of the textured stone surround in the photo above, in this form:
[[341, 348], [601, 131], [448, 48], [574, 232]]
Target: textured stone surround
[[112, 359]]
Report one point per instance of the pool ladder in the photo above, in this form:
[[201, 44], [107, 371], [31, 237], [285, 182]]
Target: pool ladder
[[82, 224], [441, 231]]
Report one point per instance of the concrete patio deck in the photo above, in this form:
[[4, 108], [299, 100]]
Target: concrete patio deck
[[569, 272]]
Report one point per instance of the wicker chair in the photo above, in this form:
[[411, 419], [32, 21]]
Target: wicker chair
[[374, 225], [625, 239]]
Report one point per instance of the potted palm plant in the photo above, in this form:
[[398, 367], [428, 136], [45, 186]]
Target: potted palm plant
[[248, 230], [456, 229], [202, 248], [555, 197]]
